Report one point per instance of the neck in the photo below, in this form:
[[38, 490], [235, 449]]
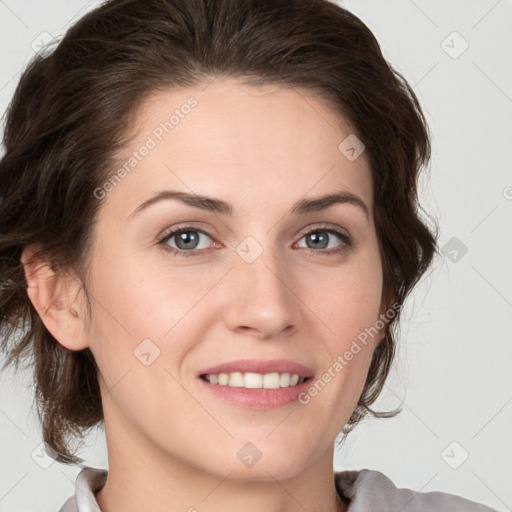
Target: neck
[[132, 491]]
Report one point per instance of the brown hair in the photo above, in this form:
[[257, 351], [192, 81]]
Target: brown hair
[[69, 115]]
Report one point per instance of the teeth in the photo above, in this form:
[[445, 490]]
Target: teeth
[[255, 380]]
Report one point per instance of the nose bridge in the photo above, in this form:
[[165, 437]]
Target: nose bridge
[[262, 294]]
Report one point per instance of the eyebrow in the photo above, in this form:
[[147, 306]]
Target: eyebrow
[[211, 204]]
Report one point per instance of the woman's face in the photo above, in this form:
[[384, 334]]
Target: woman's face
[[265, 281]]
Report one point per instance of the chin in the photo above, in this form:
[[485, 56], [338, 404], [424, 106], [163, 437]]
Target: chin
[[263, 461], [265, 471]]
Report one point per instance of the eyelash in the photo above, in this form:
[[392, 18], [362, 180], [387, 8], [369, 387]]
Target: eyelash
[[344, 237]]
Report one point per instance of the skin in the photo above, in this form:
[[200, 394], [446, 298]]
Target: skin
[[172, 445]]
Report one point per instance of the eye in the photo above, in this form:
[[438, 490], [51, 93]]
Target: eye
[[321, 238], [187, 240]]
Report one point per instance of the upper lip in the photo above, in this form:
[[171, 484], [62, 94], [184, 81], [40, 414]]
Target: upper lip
[[259, 366]]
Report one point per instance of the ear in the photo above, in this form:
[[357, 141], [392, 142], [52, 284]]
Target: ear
[[55, 297]]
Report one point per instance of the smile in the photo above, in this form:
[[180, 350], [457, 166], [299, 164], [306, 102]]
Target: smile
[[252, 380]]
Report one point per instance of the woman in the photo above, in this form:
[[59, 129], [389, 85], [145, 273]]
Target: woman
[[209, 225]]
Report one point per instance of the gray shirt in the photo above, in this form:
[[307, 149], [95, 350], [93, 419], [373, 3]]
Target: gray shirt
[[365, 490]]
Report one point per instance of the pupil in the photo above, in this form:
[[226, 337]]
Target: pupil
[[187, 237], [316, 237]]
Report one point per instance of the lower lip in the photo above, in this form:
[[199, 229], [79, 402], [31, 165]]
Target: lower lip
[[259, 398]]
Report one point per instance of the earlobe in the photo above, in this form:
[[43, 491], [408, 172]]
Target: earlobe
[[53, 295]]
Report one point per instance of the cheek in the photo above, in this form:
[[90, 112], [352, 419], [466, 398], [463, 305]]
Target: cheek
[[348, 298], [349, 311], [142, 312], [136, 297]]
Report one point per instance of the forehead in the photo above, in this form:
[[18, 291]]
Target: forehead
[[246, 144]]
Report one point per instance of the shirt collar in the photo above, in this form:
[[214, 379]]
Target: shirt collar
[[89, 481]]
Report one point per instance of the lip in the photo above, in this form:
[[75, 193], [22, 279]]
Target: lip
[[257, 398], [259, 366]]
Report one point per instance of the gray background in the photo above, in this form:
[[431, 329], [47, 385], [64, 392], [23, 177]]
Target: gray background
[[452, 375]]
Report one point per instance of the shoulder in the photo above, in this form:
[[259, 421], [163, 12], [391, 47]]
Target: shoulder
[[372, 490]]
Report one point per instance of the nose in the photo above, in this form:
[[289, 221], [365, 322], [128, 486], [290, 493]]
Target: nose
[[262, 298]]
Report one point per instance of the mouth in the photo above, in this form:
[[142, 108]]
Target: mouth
[[252, 380], [235, 388], [257, 383]]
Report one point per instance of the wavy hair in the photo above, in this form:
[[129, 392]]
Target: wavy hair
[[69, 114]]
